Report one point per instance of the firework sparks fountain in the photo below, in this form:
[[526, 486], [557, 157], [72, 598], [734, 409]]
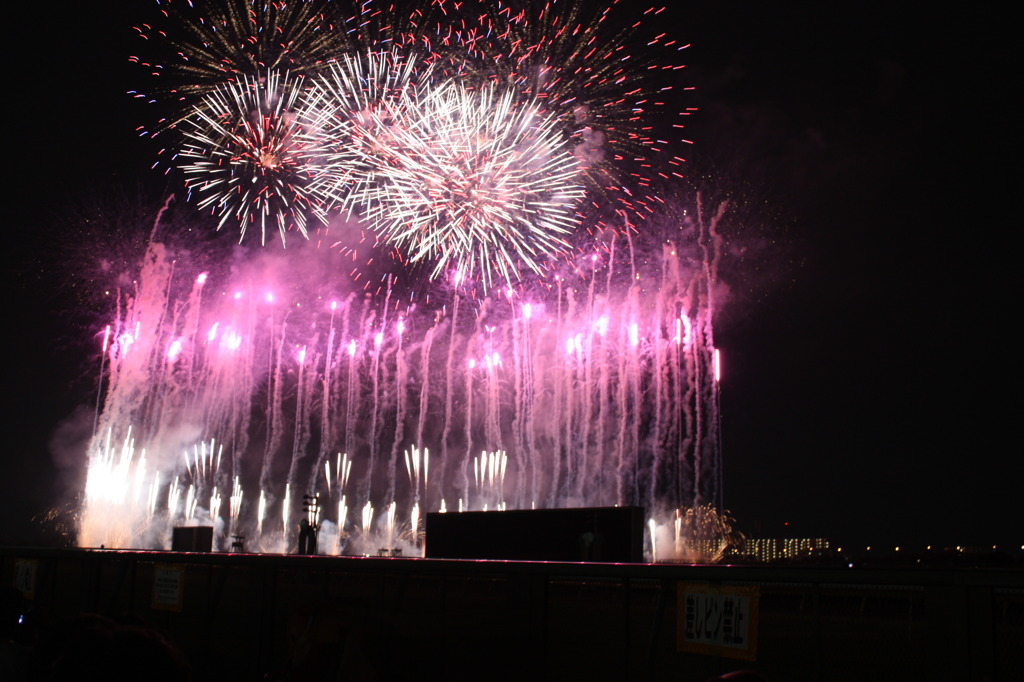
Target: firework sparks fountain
[[601, 392]]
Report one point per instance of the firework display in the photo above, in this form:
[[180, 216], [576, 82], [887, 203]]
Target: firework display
[[562, 357], [464, 136], [359, 92], [210, 43], [602, 392], [245, 157], [468, 180]]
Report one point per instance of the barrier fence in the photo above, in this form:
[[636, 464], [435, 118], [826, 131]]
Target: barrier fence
[[246, 617]]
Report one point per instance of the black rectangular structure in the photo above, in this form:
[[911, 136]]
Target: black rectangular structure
[[610, 534], [192, 539]]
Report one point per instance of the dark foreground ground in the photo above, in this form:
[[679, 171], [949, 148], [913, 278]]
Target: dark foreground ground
[[253, 617]]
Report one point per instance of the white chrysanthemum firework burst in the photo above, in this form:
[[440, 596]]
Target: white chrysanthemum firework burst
[[208, 43], [478, 182], [354, 91], [246, 155]]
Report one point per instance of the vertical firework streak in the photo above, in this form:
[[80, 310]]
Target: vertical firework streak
[[711, 247], [326, 405]]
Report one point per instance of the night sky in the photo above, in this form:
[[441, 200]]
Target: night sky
[[867, 154]]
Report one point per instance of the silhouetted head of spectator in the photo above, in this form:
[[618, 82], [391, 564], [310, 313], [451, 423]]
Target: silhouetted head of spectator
[[95, 647]]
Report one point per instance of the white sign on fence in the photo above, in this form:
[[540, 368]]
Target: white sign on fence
[[168, 585], [718, 620]]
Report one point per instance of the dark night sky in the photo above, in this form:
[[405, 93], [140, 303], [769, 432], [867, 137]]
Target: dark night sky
[[867, 394]]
